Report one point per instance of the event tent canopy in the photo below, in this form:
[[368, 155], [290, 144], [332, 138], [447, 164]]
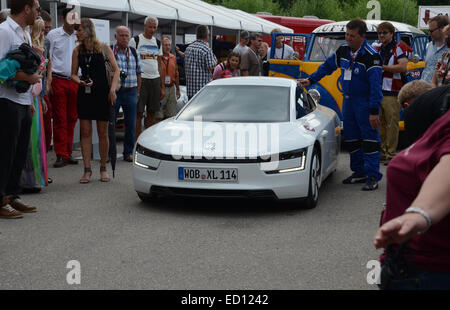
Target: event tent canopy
[[186, 12]]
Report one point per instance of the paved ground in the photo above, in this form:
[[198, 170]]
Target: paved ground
[[122, 243]]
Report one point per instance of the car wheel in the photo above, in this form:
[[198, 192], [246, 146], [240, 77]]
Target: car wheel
[[315, 180]]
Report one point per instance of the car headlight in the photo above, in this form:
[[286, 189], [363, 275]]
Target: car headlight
[[288, 162], [143, 158]]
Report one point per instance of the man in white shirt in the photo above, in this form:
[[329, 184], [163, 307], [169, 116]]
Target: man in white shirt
[[436, 47], [242, 47], [152, 88], [282, 51], [15, 111], [63, 90]]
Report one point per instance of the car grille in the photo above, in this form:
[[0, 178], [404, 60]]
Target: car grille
[[214, 193]]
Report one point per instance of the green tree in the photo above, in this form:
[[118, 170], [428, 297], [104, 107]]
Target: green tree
[[337, 10]]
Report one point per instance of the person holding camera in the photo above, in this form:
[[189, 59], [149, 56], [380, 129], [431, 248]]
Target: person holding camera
[[96, 98], [130, 70]]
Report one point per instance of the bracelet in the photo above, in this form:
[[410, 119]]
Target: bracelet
[[423, 213]]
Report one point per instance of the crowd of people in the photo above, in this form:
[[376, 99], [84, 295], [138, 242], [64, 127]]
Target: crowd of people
[[79, 78]]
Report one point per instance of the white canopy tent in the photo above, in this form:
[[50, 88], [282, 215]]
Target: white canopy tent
[[186, 14]]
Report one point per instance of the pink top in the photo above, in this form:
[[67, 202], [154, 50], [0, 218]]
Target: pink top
[[222, 72]]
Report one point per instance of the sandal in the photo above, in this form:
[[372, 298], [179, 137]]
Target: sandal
[[103, 179], [85, 180]]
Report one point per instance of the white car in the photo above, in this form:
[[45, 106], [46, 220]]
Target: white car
[[253, 137]]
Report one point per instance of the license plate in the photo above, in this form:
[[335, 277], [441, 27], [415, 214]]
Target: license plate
[[208, 175]]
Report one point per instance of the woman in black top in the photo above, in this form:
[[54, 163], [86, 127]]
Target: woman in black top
[[95, 97]]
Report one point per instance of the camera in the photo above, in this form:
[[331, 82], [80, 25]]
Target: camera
[[123, 75]]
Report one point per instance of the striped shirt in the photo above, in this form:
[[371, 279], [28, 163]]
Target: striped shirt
[[391, 53], [198, 59], [128, 63]]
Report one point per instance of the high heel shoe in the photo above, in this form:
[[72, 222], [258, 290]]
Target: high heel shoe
[[85, 180], [103, 179]]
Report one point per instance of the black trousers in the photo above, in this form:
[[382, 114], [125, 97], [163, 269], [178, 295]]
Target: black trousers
[[15, 130]]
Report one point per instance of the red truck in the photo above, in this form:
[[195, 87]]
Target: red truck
[[298, 24]]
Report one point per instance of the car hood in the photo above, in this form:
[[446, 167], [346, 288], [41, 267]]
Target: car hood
[[225, 140]]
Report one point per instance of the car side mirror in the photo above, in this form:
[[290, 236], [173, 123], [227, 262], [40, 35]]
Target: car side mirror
[[314, 93]]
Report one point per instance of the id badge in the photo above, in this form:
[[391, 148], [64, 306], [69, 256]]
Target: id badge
[[167, 80], [347, 75], [87, 89]]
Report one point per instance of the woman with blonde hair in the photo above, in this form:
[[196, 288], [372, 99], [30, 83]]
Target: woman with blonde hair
[[34, 174], [96, 98]]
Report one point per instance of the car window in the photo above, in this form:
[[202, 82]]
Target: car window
[[239, 104], [304, 103], [419, 44], [325, 45]]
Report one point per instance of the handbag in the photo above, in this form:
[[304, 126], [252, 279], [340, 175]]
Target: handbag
[[109, 68]]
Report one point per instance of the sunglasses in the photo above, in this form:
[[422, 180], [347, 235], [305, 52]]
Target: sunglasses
[[383, 32], [431, 31]]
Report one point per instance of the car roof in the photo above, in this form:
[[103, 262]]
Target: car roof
[[254, 81], [371, 27]]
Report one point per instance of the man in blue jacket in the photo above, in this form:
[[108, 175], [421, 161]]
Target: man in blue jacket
[[361, 83]]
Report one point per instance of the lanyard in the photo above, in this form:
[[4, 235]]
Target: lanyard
[[88, 62], [167, 64]]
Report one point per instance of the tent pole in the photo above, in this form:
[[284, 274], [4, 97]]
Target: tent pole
[[54, 13], [4, 5], [211, 34], [174, 36], [125, 19]]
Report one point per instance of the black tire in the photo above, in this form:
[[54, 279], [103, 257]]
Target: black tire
[[315, 180]]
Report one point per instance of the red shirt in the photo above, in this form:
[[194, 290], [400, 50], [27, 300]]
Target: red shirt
[[405, 175]]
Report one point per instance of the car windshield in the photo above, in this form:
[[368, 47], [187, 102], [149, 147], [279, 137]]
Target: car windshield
[[325, 45], [239, 104]]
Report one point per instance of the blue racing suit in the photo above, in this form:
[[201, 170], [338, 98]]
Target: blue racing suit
[[361, 81]]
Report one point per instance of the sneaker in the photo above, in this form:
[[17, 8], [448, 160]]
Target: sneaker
[[128, 158], [71, 161], [20, 206], [7, 212], [355, 178], [371, 184], [60, 162]]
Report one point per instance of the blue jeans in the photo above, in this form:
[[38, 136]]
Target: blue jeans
[[422, 280], [128, 102]]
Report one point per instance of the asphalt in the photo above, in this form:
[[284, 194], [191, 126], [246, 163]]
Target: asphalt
[[122, 243]]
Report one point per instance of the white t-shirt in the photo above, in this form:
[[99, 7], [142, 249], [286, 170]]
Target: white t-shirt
[[279, 54], [239, 49], [149, 52]]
